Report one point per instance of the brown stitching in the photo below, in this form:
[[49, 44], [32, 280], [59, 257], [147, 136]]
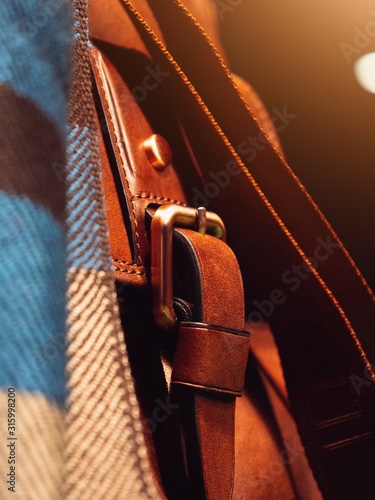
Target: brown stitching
[[255, 185], [122, 161], [276, 151], [119, 261], [150, 196], [131, 268], [130, 271], [272, 145]]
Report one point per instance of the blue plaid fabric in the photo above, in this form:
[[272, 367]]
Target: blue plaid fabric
[[61, 344], [35, 39]]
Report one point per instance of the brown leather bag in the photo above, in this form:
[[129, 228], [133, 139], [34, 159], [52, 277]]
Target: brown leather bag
[[180, 173]]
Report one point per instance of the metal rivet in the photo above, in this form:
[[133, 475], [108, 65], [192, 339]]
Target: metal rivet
[[158, 151]]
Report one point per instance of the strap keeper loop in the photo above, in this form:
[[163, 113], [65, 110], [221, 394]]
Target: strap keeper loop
[[211, 358]]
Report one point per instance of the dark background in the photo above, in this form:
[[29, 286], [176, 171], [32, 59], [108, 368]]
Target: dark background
[[290, 52]]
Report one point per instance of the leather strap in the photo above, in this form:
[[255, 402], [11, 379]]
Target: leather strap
[[209, 366], [302, 281], [204, 358], [226, 113]]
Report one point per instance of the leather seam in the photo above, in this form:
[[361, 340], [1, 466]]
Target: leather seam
[[242, 335], [119, 261], [151, 196], [130, 271], [209, 388], [109, 117]]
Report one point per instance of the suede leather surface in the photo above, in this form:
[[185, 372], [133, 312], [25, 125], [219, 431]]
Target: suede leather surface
[[258, 447]]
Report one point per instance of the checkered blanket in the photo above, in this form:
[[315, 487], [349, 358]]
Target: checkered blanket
[[77, 428]]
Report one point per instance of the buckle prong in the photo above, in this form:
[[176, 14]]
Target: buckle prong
[[202, 220]]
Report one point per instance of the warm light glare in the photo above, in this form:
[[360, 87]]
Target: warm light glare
[[364, 70]]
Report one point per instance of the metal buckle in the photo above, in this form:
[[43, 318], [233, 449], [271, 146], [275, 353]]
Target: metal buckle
[[164, 220]]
